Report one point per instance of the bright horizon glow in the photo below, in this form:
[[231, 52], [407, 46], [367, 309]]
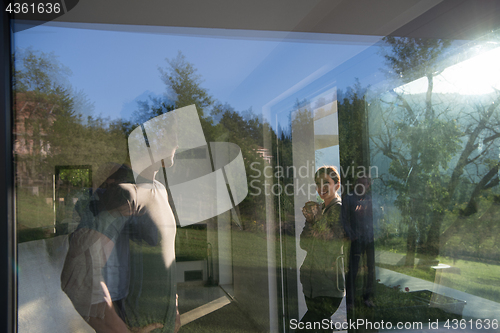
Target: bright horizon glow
[[479, 75]]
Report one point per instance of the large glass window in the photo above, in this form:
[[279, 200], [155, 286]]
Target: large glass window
[[243, 180]]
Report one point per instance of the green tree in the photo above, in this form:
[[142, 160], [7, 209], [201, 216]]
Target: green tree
[[422, 133], [51, 130], [39, 97], [184, 88], [353, 139], [37, 71], [185, 84]]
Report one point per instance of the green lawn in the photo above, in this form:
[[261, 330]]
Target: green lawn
[[33, 211], [249, 272], [476, 278], [250, 265]]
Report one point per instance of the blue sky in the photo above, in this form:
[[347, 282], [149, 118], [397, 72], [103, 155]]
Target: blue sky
[[115, 65]]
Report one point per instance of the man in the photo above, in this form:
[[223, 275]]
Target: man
[[98, 268], [357, 217]]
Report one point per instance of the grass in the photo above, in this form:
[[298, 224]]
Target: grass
[[149, 296], [32, 210], [249, 255], [150, 292], [250, 266], [191, 243], [393, 304], [35, 217], [476, 278]]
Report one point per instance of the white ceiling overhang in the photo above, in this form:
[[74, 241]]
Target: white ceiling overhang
[[457, 19]]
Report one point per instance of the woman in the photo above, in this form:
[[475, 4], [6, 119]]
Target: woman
[[322, 273]]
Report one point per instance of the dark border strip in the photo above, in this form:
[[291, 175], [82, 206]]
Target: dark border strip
[[8, 253]]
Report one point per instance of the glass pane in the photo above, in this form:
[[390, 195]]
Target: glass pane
[[432, 138], [254, 180]]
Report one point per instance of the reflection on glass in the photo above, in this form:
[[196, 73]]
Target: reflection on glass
[[357, 218], [322, 272], [433, 136], [99, 272], [425, 128]]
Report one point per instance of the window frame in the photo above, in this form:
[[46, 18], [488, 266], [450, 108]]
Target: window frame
[[8, 247]]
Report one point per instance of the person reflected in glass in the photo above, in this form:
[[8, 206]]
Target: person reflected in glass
[[96, 273], [322, 272], [357, 217]]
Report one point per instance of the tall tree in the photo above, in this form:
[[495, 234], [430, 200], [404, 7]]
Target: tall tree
[[424, 134], [39, 97], [353, 132], [184, 88], [50, 128], [185, 84]]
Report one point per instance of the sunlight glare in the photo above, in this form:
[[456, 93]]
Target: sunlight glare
[[476, 76]]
